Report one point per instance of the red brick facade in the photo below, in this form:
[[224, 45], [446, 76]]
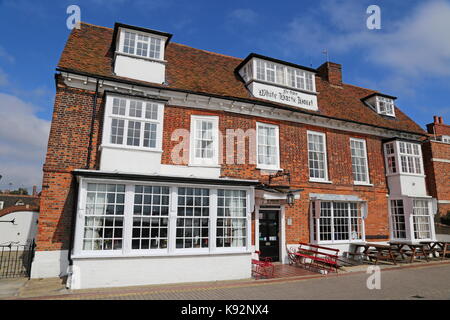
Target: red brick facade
[[69, 142], [437, 164]]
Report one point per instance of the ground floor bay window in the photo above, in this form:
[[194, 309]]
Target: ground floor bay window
[[411, 219], [337, 221], [155, 218]]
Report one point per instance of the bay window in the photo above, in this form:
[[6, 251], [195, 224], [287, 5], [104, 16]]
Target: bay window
[[336, 221], [160, 219], [267, 146], [133, 123], [359, 161], [411, 219], [410, 157], [317, 156], [204, 147]]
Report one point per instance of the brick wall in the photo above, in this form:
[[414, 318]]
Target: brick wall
[[68, 149], [437, 172], [294, 158]]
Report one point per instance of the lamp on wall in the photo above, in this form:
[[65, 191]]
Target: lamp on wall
[[290, 198]]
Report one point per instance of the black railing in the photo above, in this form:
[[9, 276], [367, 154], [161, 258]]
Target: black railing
[[16, 259]]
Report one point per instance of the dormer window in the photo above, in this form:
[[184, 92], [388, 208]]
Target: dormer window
[[285, 76], [139, 53], [279, 81], [385, 106], [142, 45], [381, 104]]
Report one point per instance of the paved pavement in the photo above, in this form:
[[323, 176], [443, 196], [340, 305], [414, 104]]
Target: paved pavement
[[417, 281]]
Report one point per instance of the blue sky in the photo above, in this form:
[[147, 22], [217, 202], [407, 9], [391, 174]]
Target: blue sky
[[409, 57]]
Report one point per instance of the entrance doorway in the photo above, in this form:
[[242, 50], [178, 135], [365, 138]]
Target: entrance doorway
[[269, 233]]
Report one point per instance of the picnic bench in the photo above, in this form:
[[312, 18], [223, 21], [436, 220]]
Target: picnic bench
[[376, 252], [413, 250], [262, 268], [441, 247], [319, 257]]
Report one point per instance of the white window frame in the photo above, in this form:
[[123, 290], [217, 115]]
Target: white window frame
[[398, 154], [283, 78], [264, 166], [121, 41], [408, 208], [366, 163], [2, 203], [389, 105], [315, 222], [207, 162], [106, 142], [171, 249], [324, 137]]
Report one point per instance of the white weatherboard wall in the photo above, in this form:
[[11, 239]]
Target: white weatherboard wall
[[130, 271], [49, 264], [22, 231], [140, 68], [131, 161]]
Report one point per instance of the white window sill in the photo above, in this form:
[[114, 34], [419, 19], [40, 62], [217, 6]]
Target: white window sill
[[405, 174], [358, 241], [205, 165], [132, 148], [363, 184], [268, 168], [141, 254], [320, 181]]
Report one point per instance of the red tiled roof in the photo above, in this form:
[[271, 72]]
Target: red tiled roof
[[88, 50]]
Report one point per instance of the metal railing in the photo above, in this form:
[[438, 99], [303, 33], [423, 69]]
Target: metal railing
[[16, 259]]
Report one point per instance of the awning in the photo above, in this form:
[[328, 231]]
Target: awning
[[160, 178]]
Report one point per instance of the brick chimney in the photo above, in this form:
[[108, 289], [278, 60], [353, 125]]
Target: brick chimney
[[34, 191], [438, 127], [331, 72]]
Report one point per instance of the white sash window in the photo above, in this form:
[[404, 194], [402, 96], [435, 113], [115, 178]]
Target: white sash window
[[359, 161], [268, 155], [204, 149], [317, 156]]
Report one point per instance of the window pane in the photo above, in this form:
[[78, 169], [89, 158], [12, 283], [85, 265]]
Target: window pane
[[129, 42], [232, 222], [316, 156], [267, 145], [134, 133], [192, 218], [150, 217], [398, 219], [103, 223], [359, 161], [117, 129]]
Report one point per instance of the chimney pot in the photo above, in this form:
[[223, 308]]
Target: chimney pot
[[441, 121], [34, 190], [436, 119]]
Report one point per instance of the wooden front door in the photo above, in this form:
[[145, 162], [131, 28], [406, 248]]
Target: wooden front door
[[269, 234]]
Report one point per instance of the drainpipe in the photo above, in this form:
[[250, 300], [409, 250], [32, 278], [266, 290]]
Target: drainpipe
[[91, 133]]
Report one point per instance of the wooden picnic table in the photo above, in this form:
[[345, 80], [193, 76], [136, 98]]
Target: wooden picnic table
[[441, 247], [356, 252], [378, 252], [413, 250]]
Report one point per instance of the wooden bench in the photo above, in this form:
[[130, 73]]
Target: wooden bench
[[262, 268], [320, 257]]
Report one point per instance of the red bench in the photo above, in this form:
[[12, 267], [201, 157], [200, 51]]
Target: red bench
[[262, 268], [320, 257]]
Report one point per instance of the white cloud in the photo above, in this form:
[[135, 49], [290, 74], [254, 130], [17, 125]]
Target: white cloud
[[246, 16], [417, 44], [23, 142], [3, 78]]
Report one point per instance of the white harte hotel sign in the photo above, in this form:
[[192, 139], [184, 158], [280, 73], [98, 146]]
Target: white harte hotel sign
[[284, 95]]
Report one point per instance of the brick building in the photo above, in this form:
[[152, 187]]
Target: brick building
[[436, 152], [279, 153]]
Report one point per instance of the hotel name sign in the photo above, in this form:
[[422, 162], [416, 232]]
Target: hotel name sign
[[283, 95]]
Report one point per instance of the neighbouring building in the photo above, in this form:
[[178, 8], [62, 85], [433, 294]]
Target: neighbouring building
[[18, 218], [168, 163], [437, 163]]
